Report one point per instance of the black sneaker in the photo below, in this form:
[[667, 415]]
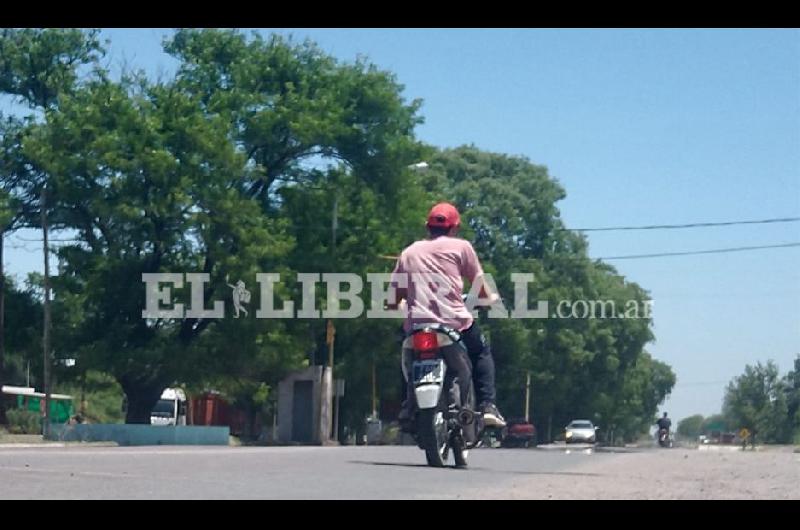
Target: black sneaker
[[492, 416]]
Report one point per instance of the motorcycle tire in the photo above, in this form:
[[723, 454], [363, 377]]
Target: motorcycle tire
[[432, 432]]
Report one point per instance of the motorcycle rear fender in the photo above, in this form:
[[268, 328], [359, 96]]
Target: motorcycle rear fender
[[428, 396]]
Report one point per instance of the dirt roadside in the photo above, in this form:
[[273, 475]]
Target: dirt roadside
[[772, 473]]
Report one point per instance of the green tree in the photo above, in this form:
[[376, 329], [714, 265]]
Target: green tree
[[715, 422], [182, 176], [757, 400], [793, 400], [293, 107], [97, 396], [691, 427], [147, 186], [37, 66], [23, 339], [327, 145]]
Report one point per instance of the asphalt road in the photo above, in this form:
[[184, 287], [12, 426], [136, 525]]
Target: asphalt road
[[395, 472]]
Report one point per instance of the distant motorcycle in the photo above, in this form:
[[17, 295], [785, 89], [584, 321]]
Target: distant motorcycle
[[664, 439]]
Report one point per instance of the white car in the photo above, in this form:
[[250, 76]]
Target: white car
[[581, 431]]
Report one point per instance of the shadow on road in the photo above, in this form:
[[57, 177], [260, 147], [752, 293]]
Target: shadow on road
[[399, 464], [482, 469]]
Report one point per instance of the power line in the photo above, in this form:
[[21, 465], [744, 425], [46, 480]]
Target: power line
[[70, 240], [703, 383], [689, 225], [666, 254], [690, 253], [24, 248]]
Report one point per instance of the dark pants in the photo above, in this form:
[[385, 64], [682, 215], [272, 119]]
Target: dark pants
[[480, 354]]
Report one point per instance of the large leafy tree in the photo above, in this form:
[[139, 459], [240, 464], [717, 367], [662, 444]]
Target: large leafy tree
[[144, 177], [37, 66], [327, 146], [691, 427], [758, 400], [293, 106], [210, 172]]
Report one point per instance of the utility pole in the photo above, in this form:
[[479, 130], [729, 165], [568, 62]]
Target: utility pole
[[374, 391], [46, 332], [528, 397], [334, 223]]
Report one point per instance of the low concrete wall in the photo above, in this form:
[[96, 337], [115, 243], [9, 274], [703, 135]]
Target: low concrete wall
[[124, 434]]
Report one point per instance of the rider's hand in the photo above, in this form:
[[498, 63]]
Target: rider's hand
[[494, 298], [397, 305]]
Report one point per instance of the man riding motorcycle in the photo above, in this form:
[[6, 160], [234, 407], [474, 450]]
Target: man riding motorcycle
[[664, 423], [451, 259]]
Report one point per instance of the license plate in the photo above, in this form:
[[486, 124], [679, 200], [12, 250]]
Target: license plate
[[429, 371]]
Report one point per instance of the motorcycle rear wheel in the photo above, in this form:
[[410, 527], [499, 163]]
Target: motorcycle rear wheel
[[432, 432]]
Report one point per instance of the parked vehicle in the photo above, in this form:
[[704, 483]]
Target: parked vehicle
[[170, 409], [519, 433]]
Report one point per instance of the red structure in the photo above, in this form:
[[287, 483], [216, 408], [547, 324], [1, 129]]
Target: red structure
[[210, 408]]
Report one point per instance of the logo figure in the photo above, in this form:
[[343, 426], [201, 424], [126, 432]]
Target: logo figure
[[240, 296]]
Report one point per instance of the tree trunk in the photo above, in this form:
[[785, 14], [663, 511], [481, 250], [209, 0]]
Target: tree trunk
[[141, 399], [82, 410], [252, 420]]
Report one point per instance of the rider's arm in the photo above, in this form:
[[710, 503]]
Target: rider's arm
[[401, 293], [486, 291], [471, 270]]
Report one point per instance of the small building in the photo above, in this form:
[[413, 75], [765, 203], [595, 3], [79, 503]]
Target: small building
[[304, 411]]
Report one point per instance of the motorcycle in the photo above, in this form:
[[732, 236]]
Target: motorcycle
[[438, 374], [664, 439]]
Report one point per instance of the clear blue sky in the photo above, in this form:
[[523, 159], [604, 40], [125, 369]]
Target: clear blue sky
[[640, 127]]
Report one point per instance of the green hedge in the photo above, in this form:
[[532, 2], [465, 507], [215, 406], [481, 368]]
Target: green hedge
[[23, 422]]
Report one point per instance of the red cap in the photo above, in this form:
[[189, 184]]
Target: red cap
[[444, 215]]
